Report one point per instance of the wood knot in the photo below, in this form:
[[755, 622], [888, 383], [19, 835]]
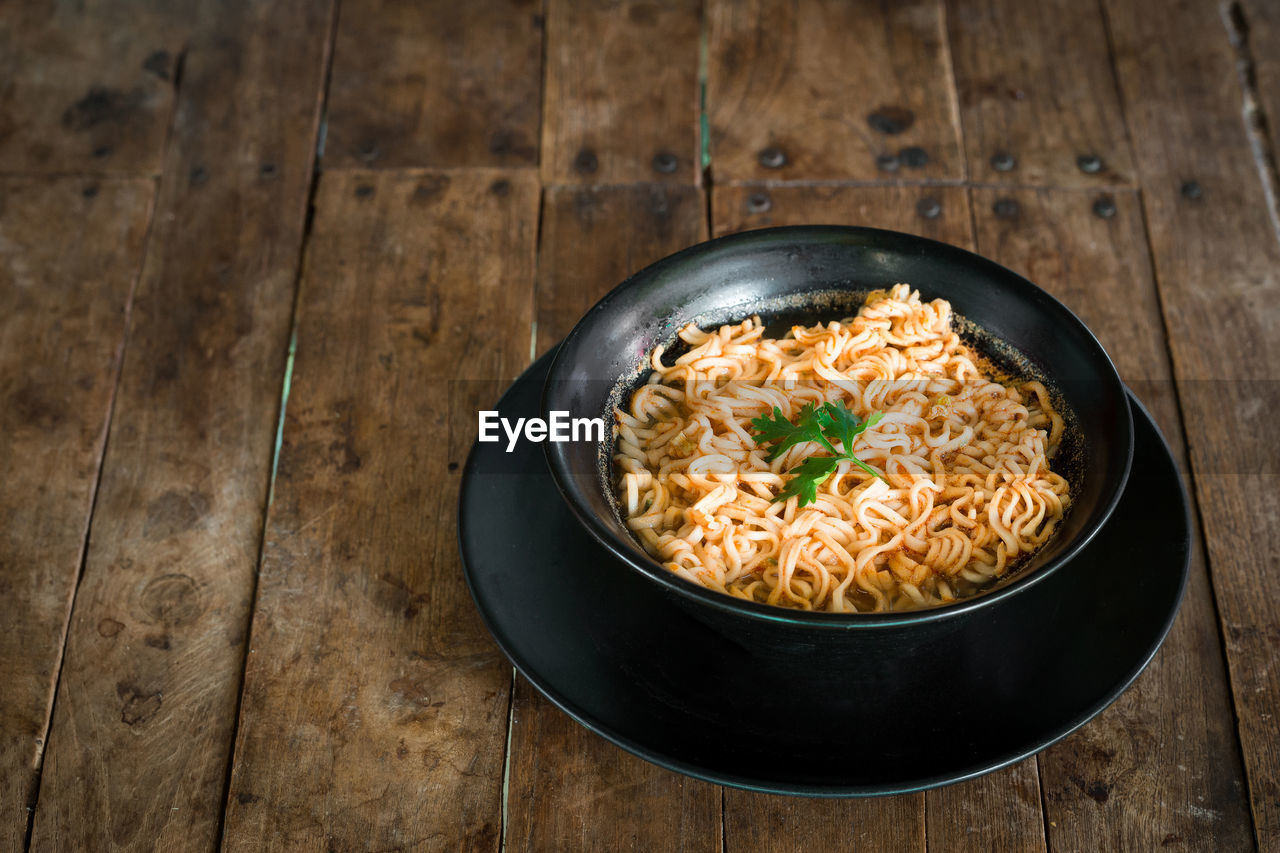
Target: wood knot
[[171, 600], [139, 705]]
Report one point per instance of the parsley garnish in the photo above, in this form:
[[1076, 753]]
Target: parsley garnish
[[828, 424]]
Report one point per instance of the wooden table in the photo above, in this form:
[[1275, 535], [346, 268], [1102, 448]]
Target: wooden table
[[261, 262]]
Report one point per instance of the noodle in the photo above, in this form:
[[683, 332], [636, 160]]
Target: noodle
[[967, 490]]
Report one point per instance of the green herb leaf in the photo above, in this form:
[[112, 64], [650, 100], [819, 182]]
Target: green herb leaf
[[828, 425], [787, 435], [843, 426], [808, 475]]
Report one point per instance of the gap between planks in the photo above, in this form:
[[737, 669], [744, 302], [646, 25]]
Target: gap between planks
[[1193, 496], [1256, 124], [34, 804], [504, 819], [286, 384], [1188, 471], [155, 179], [924, 183]]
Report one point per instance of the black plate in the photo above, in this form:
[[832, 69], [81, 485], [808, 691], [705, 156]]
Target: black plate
[[619, 656]]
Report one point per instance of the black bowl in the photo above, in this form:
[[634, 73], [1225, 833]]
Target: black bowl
[[819, 272]]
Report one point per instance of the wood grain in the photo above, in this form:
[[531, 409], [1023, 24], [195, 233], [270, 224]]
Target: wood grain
[[594, 237], [569, 788], [616, 110], [375, 704], [1001, 811], [1217, 261], [1037, 93], [830, 86], [959, 817], [435, 84], [768, 823], [145, 707], [88, 87], [63, 313], [1160, 768], [572, 790]]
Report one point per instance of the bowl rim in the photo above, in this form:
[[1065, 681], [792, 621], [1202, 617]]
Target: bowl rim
[[629, 552]]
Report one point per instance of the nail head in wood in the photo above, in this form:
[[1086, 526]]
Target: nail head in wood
[[929, 207], [891, 120], [1090, 164], [1104, 207], [1192, 190], [887, 162], [773, 158], [1005, 208], [914, 157], [1003, 161], [665, 162], [586, 162], [758, 202]]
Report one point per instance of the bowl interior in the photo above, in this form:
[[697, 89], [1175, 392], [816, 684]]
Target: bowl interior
[[811, 273]]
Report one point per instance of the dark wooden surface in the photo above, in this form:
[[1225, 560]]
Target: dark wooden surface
[[414, 311], [821, 90], [58, 371], [435, 84], [616, 110], [146, 698], [261, 263], [1038, 102]]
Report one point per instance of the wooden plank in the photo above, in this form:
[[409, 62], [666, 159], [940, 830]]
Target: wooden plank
[[959, 817], [572, 790], [1161, 766], [63, 311], [1001, 811], [435, 84], [594, 237], [767, 823], [1038, 100], [821, 90], [616, 110], [375, 703], [1217, 261], [85, 91], [569, 788], [146, 703]]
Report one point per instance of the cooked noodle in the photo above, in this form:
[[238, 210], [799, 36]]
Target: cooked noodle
[[967, 488]]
